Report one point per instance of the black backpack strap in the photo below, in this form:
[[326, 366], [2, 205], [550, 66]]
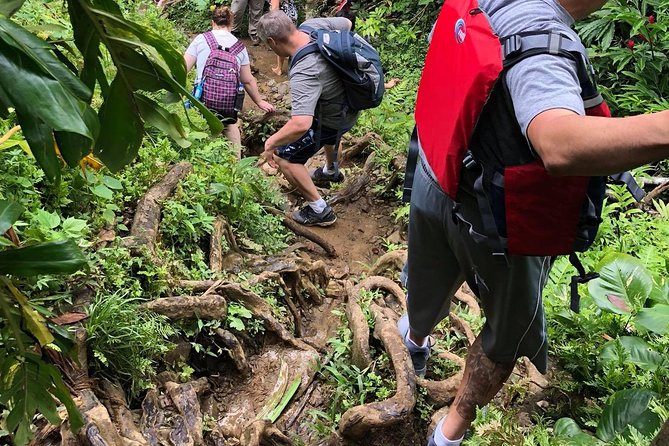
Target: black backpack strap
[[412, 162], [628, 180], [582, 277]]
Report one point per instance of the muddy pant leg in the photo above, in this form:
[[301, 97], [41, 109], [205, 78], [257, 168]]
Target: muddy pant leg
[[238, 7], [433, 271], [255, 12]]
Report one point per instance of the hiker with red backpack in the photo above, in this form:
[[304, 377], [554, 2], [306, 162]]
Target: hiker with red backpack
[[223, 73], [513, 147], [328, 90]]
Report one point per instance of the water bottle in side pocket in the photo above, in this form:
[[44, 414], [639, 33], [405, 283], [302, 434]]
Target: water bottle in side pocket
[[239, 98]]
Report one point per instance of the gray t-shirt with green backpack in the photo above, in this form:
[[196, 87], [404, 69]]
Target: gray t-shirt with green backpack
[[315, 87]]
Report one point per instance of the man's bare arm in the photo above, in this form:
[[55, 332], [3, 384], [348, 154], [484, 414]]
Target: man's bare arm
[[570, 144]]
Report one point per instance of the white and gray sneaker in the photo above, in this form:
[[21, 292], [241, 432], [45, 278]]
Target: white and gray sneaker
[[308, 217], [418, 354]]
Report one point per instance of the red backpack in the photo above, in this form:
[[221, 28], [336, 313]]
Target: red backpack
[[221, 78], [467, 129]]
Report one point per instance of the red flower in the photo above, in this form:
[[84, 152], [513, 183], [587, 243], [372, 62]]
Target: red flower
[[651, 19], [630, 44]]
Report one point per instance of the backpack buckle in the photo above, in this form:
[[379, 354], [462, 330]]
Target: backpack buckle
[[512, 45], [469, 162]]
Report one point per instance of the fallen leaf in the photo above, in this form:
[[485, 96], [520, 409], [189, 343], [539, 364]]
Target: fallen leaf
[[68, 318]]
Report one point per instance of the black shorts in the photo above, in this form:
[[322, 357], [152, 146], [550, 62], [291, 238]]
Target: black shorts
[[309, 144]]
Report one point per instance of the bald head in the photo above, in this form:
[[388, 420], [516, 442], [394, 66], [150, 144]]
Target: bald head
[[580, 9]]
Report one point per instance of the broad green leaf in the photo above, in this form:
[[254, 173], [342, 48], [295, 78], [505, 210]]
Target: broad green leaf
[[623, 286], [49, 220], [628, 408], [102, 191], [74, 225], [41, 53], [40, 139], [635, 349], [156, 116], [9, 213], [112, 182], [570, 430], [9, 7], [35, 323], [38, 94], [59, 257], [122, 130], [655, 319]]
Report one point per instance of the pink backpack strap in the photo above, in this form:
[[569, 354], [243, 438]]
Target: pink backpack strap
[[237, 48], [211, 40]]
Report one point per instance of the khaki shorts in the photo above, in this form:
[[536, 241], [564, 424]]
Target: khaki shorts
[[442, 255]]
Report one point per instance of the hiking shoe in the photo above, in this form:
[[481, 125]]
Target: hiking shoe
[[419, 355], [306, 216], [322, 178]]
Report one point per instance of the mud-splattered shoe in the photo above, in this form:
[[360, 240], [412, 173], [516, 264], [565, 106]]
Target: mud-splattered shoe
[[418, 354], [308, 217]]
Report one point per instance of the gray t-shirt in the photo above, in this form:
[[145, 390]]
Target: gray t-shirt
[[542, 82], [200, 50], [315, 87]]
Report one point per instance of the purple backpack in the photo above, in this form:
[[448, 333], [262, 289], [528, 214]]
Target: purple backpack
[[220, 77]]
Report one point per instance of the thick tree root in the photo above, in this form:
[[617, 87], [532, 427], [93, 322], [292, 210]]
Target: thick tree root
[[391, 260], [359, 146], [262, 311], [354, 188], [468, 300], [121, 415], [262, 432], [463, 327], [207, 307], [275, 277], [152, 417], [662, 438], [442, 393], [145, 224], [358, 421], [357, 322], [234, 348], [383, 283], [302, 231], [647, 201], [185, 400], [537, 381], [99, 428]]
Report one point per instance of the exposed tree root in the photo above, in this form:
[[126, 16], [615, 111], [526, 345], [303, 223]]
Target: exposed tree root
[[184, 397], [262, 311], [442, 393], [302, 231], [383, 283], [468, 300], [220, 233], [358, 146], [357, 322], [358, 421], [463, 327], [99, 428], [537, 381], [390, 260], [355, 187], [234, 347], [121, 415], [152, 417], [271, 276], [262, 432], [662, 438], [647, 201], [145, 224], [398, 165], [208, 307]]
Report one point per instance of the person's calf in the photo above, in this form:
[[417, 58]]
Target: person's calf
[[481, 381]]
